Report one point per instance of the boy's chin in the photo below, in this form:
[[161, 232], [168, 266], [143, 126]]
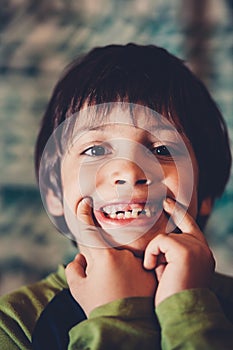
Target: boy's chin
[[138, 246], [135, 242], [131, 233]]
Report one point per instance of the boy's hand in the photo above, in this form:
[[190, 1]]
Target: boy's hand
[[100, 275], [181, 261]]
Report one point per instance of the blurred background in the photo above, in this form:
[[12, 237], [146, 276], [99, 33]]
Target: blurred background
[[38, 38]]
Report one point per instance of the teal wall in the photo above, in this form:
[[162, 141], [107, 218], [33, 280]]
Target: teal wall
[[38, 38]]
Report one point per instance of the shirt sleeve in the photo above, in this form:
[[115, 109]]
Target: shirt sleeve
[[13, 332], [7, 343], [20, 310], [124, 324], [193, 319]]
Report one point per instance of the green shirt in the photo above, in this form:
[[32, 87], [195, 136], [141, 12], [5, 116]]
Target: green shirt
[[193, 319]]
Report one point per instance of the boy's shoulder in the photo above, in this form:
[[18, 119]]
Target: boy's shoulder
[[42, 290], [37, 294], [20, 310]]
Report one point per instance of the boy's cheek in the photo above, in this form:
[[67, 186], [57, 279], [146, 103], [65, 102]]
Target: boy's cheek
[[86, 181], [183, 183], [76, 185], [187, 195]]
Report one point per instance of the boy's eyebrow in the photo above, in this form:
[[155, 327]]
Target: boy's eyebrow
[[153, 129], [100, 127], [94, 128], [165, 127]]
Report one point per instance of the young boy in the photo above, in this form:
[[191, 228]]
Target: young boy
[[131, 155]]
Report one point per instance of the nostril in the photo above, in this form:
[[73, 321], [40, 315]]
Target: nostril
[[138, 182], [142, 182], [120, 182]]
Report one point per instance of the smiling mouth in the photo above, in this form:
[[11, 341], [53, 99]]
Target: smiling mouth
[[129, 211]]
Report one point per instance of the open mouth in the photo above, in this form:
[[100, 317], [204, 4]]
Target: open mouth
[[129, 211], [126, 222]]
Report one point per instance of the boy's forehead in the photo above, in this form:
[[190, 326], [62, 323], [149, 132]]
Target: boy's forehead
[[138, 116]]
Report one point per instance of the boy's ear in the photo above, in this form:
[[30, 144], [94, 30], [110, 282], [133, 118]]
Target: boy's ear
[[206, 206], [54, 204]]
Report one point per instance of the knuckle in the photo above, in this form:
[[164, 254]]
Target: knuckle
[[163, 237], [192, 225], [69, 268]]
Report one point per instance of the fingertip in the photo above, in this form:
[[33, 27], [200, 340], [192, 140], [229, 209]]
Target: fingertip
[[145, 263], [84, 211], [86, 203], [148, 264], [169, 200], [149, 261], [77, 267], [168, 203], [180, 216]]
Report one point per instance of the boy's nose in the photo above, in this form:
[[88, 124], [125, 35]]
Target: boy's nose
[[128, 173]]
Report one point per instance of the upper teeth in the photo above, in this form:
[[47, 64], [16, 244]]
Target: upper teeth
[[118, 212]]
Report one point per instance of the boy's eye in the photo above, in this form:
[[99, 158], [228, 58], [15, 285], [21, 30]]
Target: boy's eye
[[162, 151], [96, 151]]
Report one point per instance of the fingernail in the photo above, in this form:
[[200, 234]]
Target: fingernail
[[168, 201], [88, 201]]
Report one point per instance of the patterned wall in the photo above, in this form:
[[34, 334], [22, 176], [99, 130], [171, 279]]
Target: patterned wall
[[38, 38]]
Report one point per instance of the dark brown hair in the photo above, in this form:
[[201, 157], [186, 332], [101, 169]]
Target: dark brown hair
[[150, 76]]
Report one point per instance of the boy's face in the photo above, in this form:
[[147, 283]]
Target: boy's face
[[127, 166]]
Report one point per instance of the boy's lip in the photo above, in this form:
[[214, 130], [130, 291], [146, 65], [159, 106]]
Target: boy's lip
[[121, 213], [125, 202]]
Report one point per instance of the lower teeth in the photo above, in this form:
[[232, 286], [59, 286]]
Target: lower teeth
[[128, 214]]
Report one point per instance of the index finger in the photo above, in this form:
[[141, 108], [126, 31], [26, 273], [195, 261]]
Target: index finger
[[182, 219], [88, 235]]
